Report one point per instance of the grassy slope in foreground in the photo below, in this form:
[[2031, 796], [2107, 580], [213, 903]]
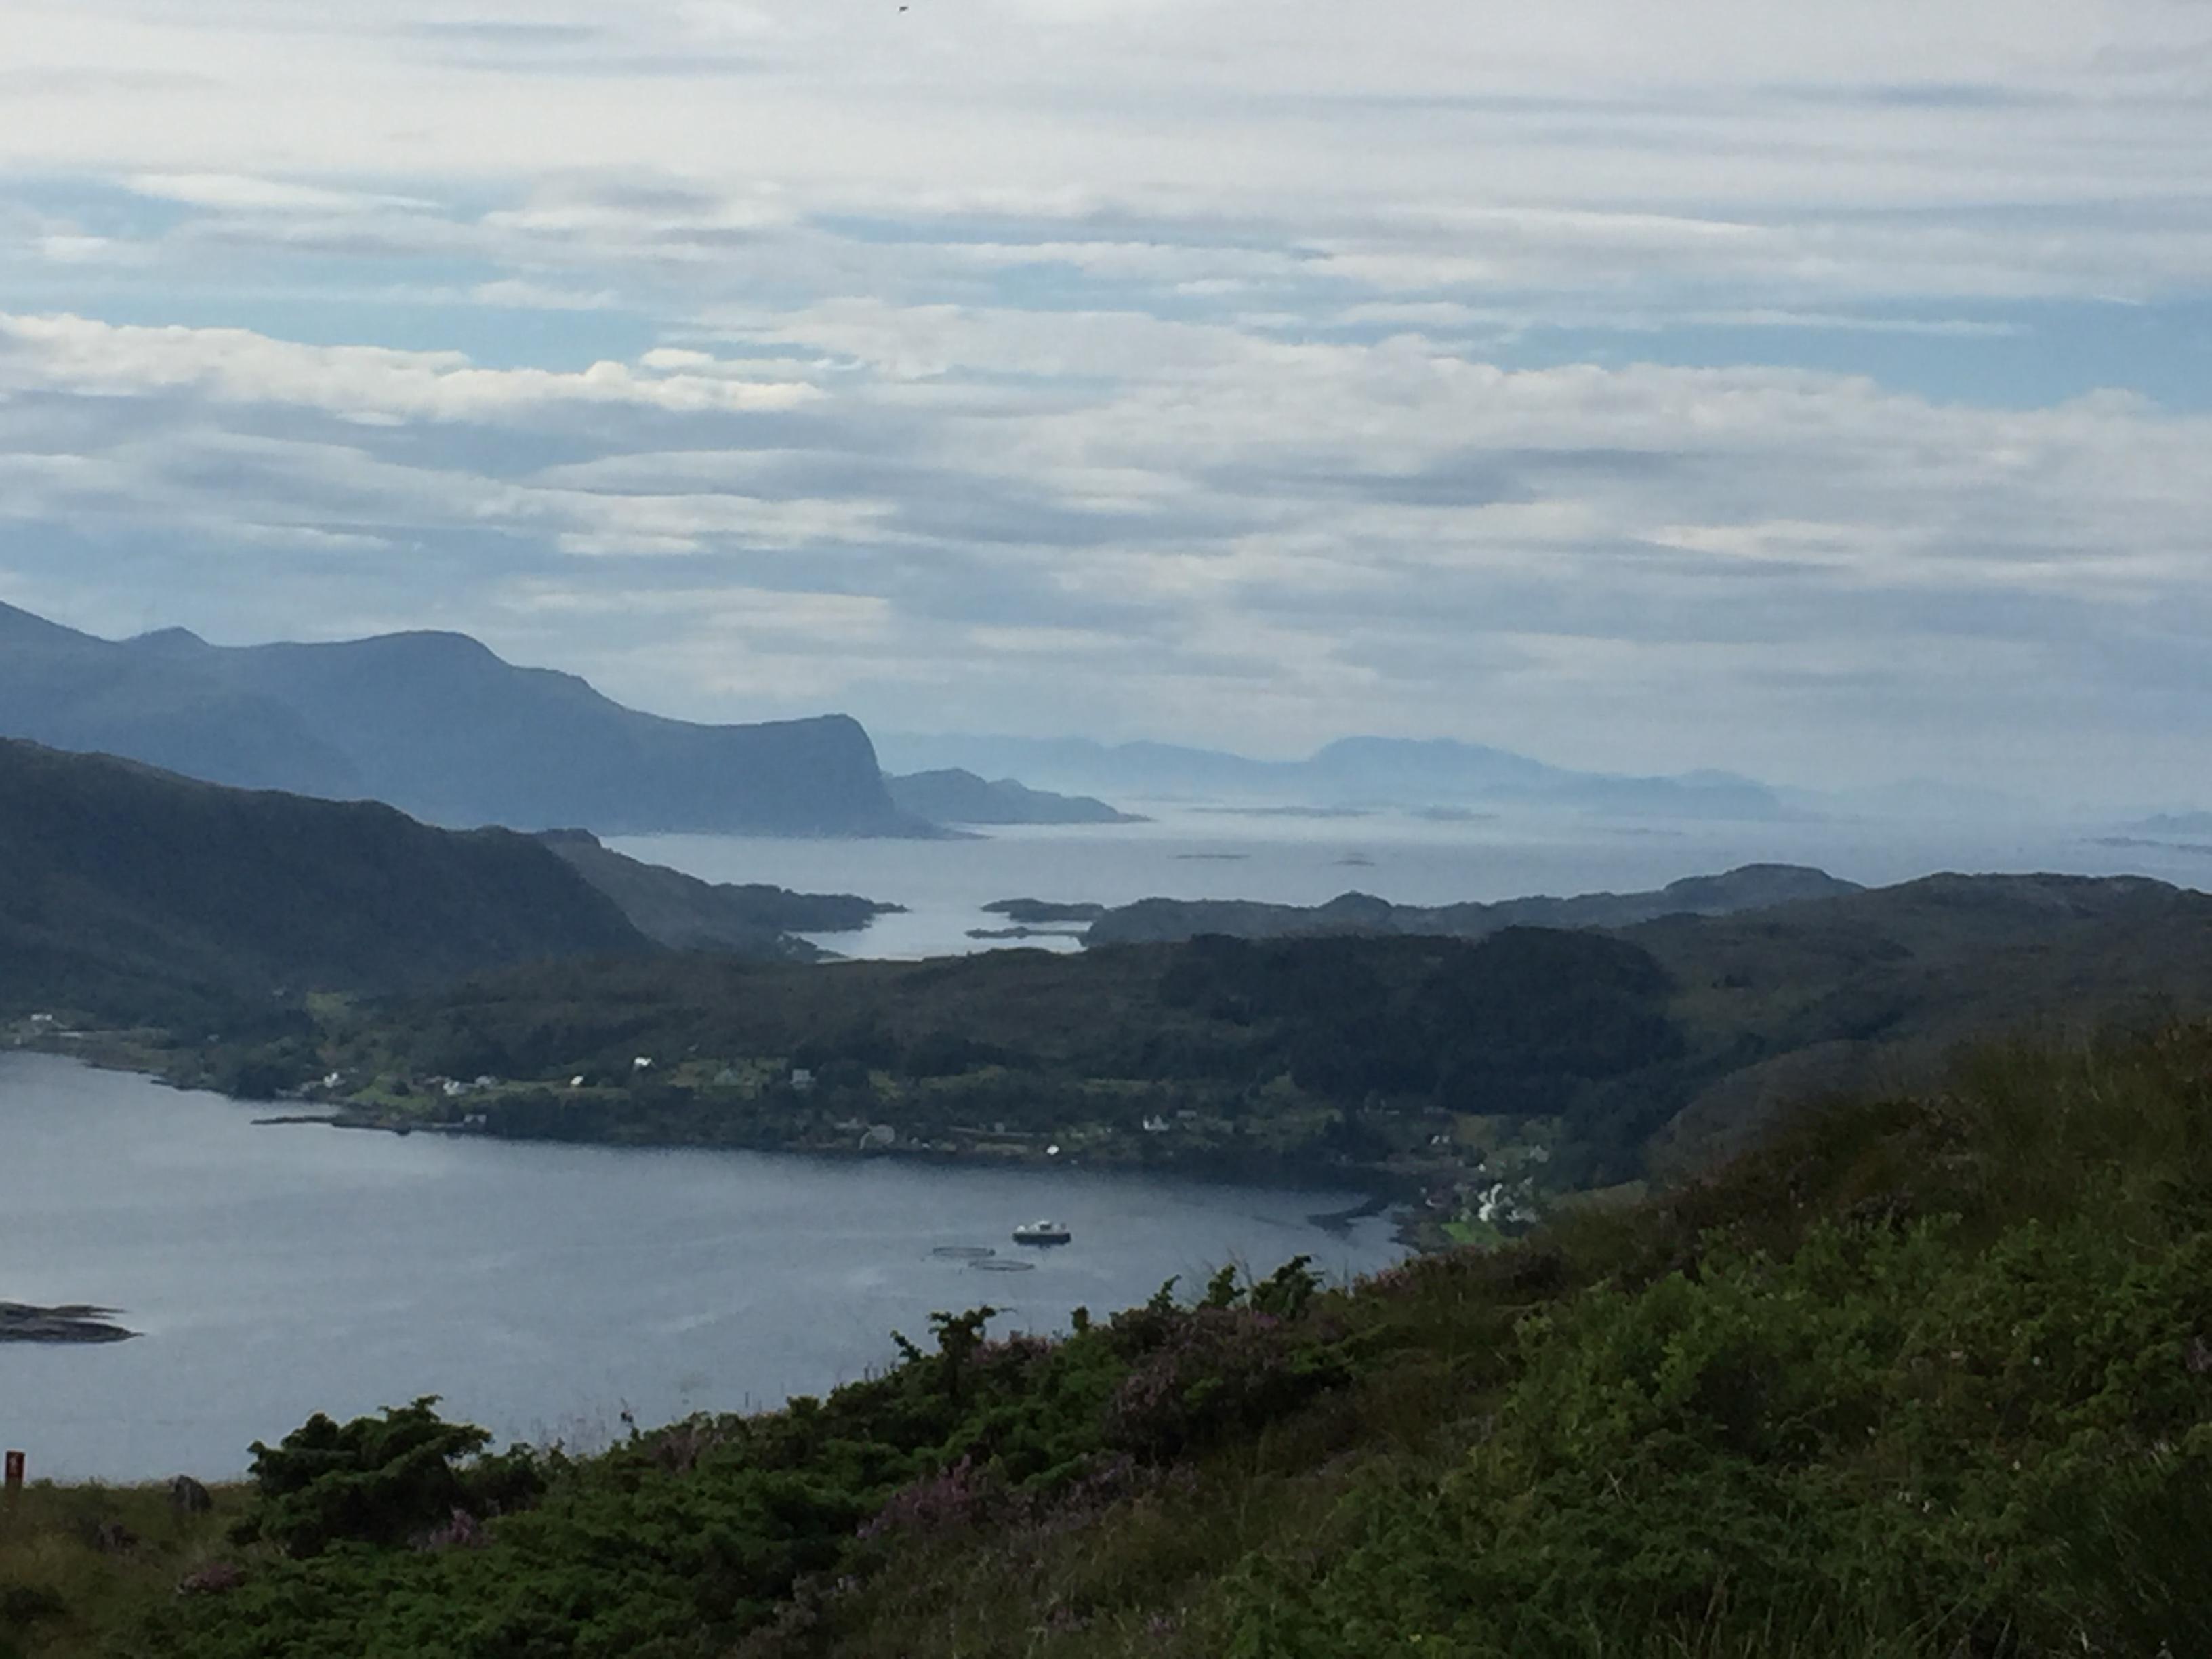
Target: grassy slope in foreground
[[1928, 1377]]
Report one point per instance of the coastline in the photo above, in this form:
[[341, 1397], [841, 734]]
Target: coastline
[[1397, 1193]]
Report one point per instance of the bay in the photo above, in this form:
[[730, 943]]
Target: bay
[[543, 1290]]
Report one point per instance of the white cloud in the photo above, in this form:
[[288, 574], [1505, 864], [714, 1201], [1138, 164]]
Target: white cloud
[[1279, 539], [365, 383], [539, 296], [231, 190]]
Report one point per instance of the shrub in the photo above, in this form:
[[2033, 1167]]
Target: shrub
[[381, 1479], [1218, 1370], [1886, 1430]]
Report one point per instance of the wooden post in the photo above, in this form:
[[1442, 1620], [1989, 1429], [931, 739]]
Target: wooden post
[[14, 1472]]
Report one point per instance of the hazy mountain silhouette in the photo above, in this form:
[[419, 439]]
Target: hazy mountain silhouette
[[956, 796], [1350, 772], [438, 725], [69, 690]]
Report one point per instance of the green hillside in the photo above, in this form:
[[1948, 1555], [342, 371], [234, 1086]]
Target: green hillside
[[1547, 1059], [137, 896], [1927, 1376]]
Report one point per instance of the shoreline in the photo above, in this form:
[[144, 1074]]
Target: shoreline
[[1385, 1193], [1393, 1192]]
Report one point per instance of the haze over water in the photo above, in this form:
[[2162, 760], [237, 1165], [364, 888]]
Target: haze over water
[[1193, 853], [541, 1290]]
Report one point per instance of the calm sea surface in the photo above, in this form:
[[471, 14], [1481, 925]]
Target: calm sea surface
[[541, 1290], [1215, 854]]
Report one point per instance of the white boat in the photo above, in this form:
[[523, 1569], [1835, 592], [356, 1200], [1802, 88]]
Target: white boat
[[1042, 1232]]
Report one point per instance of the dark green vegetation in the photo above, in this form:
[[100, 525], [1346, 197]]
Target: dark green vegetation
[[1249, 1060], [686, 914], [1754, 887], [1925, 1376], [1488, 1074], [135, 896], [435, 725], [954, 796]]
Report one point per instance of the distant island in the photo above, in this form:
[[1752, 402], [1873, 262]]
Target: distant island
[[2173, 823], [1751, 887], [1031, 911], [74, 1322], [1432, 776], [2152, 844], [955, 796]]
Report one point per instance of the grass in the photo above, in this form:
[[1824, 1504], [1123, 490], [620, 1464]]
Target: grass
[[80, 1565], [2112, 1138]]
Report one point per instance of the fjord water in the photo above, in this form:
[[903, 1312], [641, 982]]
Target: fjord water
[[1281, 858], [541, 1290]]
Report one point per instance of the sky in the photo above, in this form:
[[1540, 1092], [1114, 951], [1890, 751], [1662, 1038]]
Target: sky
[[1824, 393]]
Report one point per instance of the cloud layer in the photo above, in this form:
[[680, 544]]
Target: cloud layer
[[1821, 397]]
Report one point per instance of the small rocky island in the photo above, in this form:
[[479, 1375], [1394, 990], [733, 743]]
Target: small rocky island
[[75, 1323]]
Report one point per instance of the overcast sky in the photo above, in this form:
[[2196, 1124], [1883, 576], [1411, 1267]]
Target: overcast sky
[[1825, 394]]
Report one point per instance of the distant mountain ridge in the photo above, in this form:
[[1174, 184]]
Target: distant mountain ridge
[[438, 725], [1352, 771], [1752, 887]]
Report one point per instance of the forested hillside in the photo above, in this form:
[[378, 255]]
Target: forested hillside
[[140, 898], [1553, 1058]]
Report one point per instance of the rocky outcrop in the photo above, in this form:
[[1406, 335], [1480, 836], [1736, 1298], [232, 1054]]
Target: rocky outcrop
[[20, 1321]]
